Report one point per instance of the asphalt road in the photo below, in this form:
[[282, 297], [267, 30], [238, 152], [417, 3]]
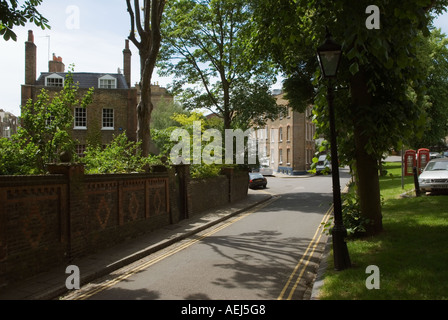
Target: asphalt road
[[270, 252]]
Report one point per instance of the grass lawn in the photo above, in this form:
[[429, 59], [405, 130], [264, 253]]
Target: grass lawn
[[411, 253]]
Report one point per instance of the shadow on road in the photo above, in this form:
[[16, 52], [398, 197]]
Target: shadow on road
[[262, 261]]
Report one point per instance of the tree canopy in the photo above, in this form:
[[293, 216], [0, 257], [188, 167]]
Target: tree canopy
[[204, 48], [380, 91], [13, 14], [434, 53]]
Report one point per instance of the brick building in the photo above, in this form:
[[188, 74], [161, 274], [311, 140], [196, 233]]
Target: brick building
[[287, 144], [113, 109]]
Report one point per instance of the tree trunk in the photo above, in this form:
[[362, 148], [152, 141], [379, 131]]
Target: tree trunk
[[145, 106], [226, 97], [143, 129], [368, 184], [227, 120], [366, 164], [149, 30]]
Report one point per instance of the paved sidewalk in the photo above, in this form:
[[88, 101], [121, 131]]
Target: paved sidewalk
[[51, 285]]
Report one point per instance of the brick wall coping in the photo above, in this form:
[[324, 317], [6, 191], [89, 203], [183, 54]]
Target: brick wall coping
[[9, 181], [124, 176]]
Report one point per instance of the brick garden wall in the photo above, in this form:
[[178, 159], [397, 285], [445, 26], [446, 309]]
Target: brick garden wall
[[33, 225], [208, 193], [48, 220], [238, 184], [217, 191]]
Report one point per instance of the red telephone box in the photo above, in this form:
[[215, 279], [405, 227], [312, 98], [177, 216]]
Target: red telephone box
[[409, 162], [422, 159]]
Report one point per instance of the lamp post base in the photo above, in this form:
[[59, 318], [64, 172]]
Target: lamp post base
[[340, 251]]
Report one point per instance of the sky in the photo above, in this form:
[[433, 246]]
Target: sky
[[86, 33]]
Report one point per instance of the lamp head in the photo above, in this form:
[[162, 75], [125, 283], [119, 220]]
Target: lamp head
[[329, 56]]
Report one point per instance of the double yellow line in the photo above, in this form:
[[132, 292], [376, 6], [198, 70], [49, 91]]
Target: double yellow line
[[136, 269], [306, 257]]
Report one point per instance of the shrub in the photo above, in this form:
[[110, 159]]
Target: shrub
[[353, 221], [205, 170], [120, 156], [18, 157]]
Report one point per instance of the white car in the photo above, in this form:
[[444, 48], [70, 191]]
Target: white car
[[434, 176], [323, 165], [266, 171], [434, 155]]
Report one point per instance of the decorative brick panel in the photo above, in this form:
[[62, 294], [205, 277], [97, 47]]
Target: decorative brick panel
[[33, 233]]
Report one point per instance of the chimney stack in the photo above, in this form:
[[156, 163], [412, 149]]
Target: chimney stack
[[30, 59], [56, 64], [127, 63]]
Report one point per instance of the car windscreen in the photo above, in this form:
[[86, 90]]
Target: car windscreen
[[437, 165]]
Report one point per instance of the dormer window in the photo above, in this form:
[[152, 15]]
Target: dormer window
[[54, 80], [107, 82]]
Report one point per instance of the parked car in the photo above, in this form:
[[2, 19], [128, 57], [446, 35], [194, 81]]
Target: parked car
[[445, 154], [266, 171], [257, 180], [435, 175], [434, 155], [323, 164]]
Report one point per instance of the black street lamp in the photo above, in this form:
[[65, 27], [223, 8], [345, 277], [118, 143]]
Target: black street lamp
[[329, 55]]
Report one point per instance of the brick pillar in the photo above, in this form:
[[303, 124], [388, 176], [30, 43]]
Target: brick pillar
[[74, 223], [183, 180], [173, 194], [229, 173]]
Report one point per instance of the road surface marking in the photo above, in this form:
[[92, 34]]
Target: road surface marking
[[110, 283], [312, 246]]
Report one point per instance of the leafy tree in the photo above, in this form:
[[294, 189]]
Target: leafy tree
[[380, 98], [162, 115], [47, 121], [203, 169], [17, 157], [147, 25], [434, 51], [165, 141], [94, 134], [204, 49], [13, 14]]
